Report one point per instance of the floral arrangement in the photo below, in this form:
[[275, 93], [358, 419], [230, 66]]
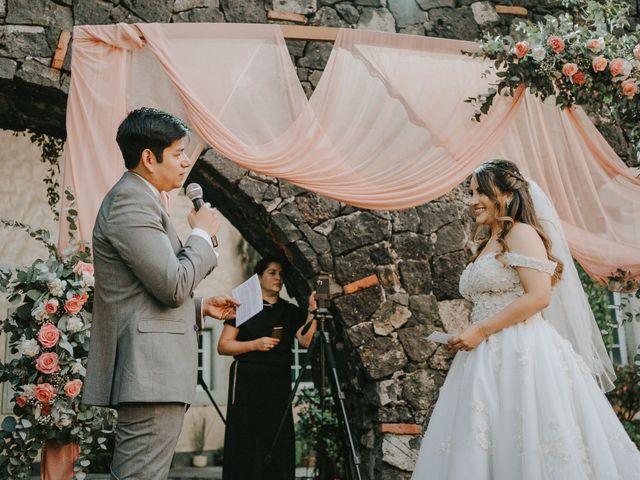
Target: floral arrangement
[[585, 57], [48, 333]]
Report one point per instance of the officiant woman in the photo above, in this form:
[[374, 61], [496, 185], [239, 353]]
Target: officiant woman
[[260, 381]]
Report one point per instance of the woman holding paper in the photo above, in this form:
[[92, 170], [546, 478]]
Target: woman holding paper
[[522, 399], [260, 381]]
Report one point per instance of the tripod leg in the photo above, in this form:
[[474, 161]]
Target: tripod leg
[[204, 386], [314, 342], [342, 411]]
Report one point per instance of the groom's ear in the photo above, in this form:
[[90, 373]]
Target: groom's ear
[[148, 160]]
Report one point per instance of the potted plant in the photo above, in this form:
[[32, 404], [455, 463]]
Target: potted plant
[[199, 459]]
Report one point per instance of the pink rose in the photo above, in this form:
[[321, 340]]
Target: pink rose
[[619, 66], [579, 78], [569, 69], [82, 267], [48, 335], [521, 49], [47, 363], [599, 64], [556, 44], [21, 401], [595, 44], [636, 51], [72, 388], [629, 87], [45, 393], [73, 306], [51, 306], [83, 297]]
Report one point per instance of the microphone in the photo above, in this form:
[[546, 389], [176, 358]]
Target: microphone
[[194, 193]]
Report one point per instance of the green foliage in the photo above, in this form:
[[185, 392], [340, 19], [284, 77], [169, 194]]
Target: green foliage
[[51, 150], [199, 434], [625, 398], [598, 297], [249, 256], [319, 430], [557, 58]]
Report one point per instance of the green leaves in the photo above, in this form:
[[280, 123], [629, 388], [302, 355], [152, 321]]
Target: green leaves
[[9, 424]]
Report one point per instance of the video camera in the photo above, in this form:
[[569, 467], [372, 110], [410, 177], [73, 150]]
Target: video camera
[[323, 291]]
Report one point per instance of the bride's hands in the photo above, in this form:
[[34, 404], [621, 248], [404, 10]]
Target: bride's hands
[[467, 340]]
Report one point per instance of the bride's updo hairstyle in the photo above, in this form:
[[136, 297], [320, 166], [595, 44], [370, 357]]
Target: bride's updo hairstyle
[[503, 176]]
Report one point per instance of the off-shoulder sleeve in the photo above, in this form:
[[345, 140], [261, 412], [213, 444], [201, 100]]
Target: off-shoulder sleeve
[[519, 260]]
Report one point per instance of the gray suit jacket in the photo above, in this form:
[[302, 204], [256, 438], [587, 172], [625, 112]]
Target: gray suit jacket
[[144, 330]]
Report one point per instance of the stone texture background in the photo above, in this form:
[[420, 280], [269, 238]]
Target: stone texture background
[[391, 374]]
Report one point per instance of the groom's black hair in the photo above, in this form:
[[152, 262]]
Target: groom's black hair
[[148, 128]]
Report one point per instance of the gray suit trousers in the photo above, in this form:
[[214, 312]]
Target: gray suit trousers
[[146, 437]]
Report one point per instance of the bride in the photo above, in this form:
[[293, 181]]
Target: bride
[[523, 398]]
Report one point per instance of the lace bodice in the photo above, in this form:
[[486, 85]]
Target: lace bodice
[[491, 286]]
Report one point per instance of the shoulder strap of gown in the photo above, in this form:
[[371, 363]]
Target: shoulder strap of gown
[[519, 260]]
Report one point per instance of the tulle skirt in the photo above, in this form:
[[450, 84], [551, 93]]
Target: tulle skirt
[[523, 406]]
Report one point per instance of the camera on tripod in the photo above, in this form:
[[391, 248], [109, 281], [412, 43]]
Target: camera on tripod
[[323, 291]]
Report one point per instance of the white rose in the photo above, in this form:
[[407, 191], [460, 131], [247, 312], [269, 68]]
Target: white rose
[[76, 367], [28, 390], [29, 348], [88, 280], [39, 313], [538, 54], [63, 421], [56, 287], [74, 324]]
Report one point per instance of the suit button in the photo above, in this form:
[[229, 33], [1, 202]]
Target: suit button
[[191, 294], [195, 327]]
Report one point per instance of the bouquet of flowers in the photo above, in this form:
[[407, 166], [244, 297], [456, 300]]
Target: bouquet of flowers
[[48, 331], [584, 58]]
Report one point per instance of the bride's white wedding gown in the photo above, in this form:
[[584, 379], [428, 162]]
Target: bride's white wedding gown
[[522, 405]]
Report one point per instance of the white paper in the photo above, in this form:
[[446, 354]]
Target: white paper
[[249, 294], [440, 337]]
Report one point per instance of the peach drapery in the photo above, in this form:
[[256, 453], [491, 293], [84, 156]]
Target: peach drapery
[[386, 128]]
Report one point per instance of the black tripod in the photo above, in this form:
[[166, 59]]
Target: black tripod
[[322, 340], [204, 386]]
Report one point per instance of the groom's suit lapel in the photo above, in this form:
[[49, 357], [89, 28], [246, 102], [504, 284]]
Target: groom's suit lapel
[[165, 219], [171, 232]]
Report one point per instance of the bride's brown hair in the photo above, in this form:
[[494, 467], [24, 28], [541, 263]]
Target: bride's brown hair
[[497, 176]]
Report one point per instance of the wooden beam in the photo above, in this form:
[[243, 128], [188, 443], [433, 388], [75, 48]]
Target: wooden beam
[[61, 50], [316, 34], [286, 16], [300, 32]]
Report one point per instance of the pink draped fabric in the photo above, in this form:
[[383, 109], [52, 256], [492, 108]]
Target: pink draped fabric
[[386, 128]]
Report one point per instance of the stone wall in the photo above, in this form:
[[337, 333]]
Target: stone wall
[[391, 374]]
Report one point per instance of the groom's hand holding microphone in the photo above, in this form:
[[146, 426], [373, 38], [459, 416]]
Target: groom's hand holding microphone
[[202, 216]]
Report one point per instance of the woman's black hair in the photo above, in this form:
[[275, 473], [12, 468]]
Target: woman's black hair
[[263, 263]]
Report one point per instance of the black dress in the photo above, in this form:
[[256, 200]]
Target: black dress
[[259, 387]]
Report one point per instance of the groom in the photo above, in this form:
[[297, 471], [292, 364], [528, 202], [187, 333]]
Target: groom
[[143, 353]]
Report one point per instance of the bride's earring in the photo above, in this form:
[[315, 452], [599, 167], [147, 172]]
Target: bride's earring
[[508, 203]]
